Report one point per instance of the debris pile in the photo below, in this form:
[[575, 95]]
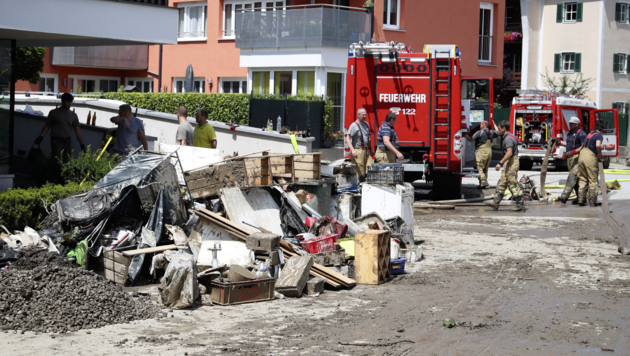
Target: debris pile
[[44, 293]]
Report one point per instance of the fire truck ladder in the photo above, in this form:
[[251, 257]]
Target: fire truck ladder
[[442, 114]]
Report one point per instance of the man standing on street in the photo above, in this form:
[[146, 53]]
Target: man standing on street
[[387, 141], [130, 134], [204, 134], [509, 175], [575, 139], [358, 139], [483, 151], [185, 133], [588, 165], [61, 122]]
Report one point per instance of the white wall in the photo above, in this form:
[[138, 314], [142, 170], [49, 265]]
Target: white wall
[[243, 140]]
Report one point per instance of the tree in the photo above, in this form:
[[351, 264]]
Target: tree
[[575, 85], [29, 62]]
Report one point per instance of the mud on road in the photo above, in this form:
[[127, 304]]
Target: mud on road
[[539, 283]]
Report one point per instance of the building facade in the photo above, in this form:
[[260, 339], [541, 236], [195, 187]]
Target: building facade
[[564, 38], [280, 46]]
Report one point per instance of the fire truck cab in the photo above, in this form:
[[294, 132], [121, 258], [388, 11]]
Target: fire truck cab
[[537, 116], [434, 106]]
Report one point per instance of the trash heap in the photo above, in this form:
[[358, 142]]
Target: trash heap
[[224, 230]]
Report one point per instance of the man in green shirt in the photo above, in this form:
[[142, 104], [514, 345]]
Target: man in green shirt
[[204, 135]]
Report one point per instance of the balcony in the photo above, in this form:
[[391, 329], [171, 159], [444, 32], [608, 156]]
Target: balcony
[[306, 26], [117, 57]]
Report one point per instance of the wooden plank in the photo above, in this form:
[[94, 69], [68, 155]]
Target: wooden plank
[[116, 256], [226, 222], [306, 174], [338, 277], [306, 166], [258, 172], [141, 251], [115, 277], [315, 273], [312, 157], [258, 162], [229, 229]]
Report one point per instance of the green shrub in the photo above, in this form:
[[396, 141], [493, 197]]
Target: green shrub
[[25, 207], [220, 107], [75, 170]]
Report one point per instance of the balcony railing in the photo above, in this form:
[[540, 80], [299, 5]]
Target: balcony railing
[[301, 27], [120, 57]]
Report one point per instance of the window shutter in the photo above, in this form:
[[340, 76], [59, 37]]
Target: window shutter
[[614, 105], [560, 13], [579, 11], [618, 12], [578, 62], [615, 63], [556, 62]]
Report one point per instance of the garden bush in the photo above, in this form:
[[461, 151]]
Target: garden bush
[[75, 170], [27, 207], [221, 107]]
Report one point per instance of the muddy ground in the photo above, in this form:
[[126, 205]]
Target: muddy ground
[[546, 282]]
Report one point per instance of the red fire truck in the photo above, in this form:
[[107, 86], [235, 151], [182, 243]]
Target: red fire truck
[[538, 116], [434, 105]]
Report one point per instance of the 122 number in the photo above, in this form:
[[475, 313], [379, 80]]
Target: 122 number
[[409, 111]]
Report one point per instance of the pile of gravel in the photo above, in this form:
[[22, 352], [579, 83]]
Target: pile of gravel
[[42, 292]]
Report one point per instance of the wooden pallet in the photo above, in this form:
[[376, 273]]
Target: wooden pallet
[[296, 168], [239, 173], [372, 257]]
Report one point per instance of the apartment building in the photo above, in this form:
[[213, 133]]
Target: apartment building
[[569, 37], [280, 46]]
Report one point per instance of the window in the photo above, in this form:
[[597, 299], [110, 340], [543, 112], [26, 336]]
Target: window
[[621, 107], [231, 8], [622, 12], [106, 86], [260, 82], [193, 21], [391, 15], [199, 85], [568, 62], [48, 83], [334, 91], [569, 12], [306, 82], [485, 32], [233, 85], [91, 84], [283, 81], [145, 85], [620, 63]]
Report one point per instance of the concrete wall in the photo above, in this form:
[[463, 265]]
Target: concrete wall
[[163, 126]]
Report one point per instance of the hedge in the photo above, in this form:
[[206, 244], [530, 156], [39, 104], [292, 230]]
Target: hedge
[[221, 107], [25, 207]]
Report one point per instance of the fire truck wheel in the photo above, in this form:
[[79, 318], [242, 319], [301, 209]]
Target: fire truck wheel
[[525, 165], [561, 165], [606, 162], [446, 186]]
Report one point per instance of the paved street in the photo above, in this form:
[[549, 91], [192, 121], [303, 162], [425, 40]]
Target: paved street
[[546, 282]]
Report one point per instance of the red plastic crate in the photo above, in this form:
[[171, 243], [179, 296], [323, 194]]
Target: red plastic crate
[[320, 244]]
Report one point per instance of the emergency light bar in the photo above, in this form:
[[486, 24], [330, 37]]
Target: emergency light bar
[[378, 47]]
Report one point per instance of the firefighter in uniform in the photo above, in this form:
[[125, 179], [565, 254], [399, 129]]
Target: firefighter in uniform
[[588, 166], [575, 139], [509, 175], [483, 151]]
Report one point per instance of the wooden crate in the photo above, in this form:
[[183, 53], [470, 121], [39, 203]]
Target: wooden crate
[[245, 172], [371, 257], [295, 168], [114, 266], [307, 167]]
